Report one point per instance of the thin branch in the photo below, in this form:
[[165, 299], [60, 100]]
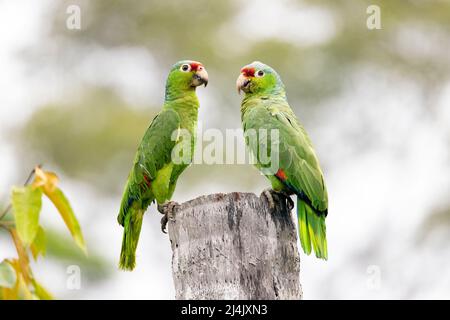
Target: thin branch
[[31, 175], [7, 223], [3, 214], [2, 225]]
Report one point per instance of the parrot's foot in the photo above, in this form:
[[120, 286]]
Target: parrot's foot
[[289, 201], [268, 195], [168, 209], [273, 196]]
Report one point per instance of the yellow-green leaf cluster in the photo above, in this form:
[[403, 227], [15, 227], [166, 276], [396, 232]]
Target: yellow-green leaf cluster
[[16, 277], [48, 182]]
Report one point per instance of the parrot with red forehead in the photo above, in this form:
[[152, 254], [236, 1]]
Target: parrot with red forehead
[[264, 109], [159, 159]]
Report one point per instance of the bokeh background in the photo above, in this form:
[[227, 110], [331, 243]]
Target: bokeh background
[[375, 102]]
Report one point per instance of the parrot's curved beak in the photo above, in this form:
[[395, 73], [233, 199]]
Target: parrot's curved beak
[[242, 83], [200, 77]]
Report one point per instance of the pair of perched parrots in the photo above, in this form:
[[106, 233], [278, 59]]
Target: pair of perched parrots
[[154, 174]]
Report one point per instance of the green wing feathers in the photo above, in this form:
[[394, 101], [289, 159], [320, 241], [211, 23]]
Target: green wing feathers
[[153, 154], [305, 239], [312, 230], [135, 201], [302, 174], [132, 228]]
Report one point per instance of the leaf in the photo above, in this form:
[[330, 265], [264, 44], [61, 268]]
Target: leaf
[[8, 276], [20, 289], [9, 294], [46, 179], [26, 203], [21, 265], [23, 290], [41, 292], [65, 210], [38, 247]]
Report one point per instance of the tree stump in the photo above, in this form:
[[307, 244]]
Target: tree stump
[[230, 246]]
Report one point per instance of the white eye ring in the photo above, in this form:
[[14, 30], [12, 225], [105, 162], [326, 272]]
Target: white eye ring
[[259, 74], [185, 67]]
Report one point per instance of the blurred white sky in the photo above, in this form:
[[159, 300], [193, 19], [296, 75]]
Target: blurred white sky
[[378, 199], [302, 24]]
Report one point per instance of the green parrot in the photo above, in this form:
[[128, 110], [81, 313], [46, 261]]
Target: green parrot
[[265, 110], [157, 164]]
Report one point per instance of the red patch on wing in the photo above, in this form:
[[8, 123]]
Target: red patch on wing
[[195, 66], [148, 182], [248, 72], [281, 174]]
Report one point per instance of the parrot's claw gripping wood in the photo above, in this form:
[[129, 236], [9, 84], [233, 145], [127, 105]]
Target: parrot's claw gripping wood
[[168, 210], [267, 194], [289, 201], [273, 196]]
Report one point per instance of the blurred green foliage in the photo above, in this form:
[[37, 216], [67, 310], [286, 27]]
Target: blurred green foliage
[[88, 139], [61, 249], [438, 220], [28, 236]]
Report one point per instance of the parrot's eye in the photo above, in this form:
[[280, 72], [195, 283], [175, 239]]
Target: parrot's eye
[[185, 67], [260, 74]]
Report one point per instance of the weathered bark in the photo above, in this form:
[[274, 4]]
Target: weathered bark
[[229, 246]]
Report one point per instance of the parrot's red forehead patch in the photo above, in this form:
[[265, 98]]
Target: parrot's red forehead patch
[[195, 66], [248, 72]]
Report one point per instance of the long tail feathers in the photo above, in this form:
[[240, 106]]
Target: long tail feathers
[[312, 230], [131, 230]]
